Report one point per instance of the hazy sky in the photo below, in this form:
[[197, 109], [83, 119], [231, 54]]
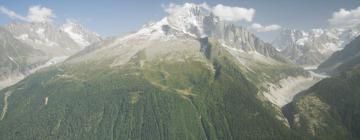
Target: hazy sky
[[113, 17]]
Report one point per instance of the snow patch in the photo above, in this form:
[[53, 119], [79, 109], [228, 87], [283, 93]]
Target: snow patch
[[302, 41], [314, 67], [78, 38], [23, 37], [12, 59], [53, 61], [46, 100], [331, 47], [317, 32], [40, 32]]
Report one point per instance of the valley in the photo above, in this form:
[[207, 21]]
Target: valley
[[197, 72], [289, 88]]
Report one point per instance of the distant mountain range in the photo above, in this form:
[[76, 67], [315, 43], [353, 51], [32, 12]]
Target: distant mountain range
[[16, 59], [311, 48], [343, 60], [29, 46]]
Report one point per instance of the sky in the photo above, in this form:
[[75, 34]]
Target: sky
[[114, 17]]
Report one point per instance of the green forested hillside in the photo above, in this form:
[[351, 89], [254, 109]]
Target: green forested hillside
[[330, 109], [200, 97]]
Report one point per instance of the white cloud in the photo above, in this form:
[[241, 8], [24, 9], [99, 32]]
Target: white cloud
[[173, 8], [11, 13], [234, 13], [40, 14], [36, 13], [260, 28], [224, 12], [345, 18]]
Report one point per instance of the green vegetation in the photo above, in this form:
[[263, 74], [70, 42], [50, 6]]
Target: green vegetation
[[331, 108], [193, 99]]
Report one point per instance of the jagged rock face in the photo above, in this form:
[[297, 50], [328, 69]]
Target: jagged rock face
[[239, 38], [198, 21], [303, 55], [190, 19], [313, 47], [287, 38]]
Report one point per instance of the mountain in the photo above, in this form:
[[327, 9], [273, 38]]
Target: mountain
[[164, 87], [343, 60], [311, 48], [27, 47], [82, 36], [200, 22], [190, 75], [263, 63], [16, 58], [53, 40]]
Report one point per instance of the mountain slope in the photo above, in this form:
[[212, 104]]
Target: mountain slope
[[330, 109], [263, 64], [151, 96]]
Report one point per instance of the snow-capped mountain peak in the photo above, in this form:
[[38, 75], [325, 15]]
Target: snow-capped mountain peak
[[189, 18], [39, 35], [198, 21], [79, 34]]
